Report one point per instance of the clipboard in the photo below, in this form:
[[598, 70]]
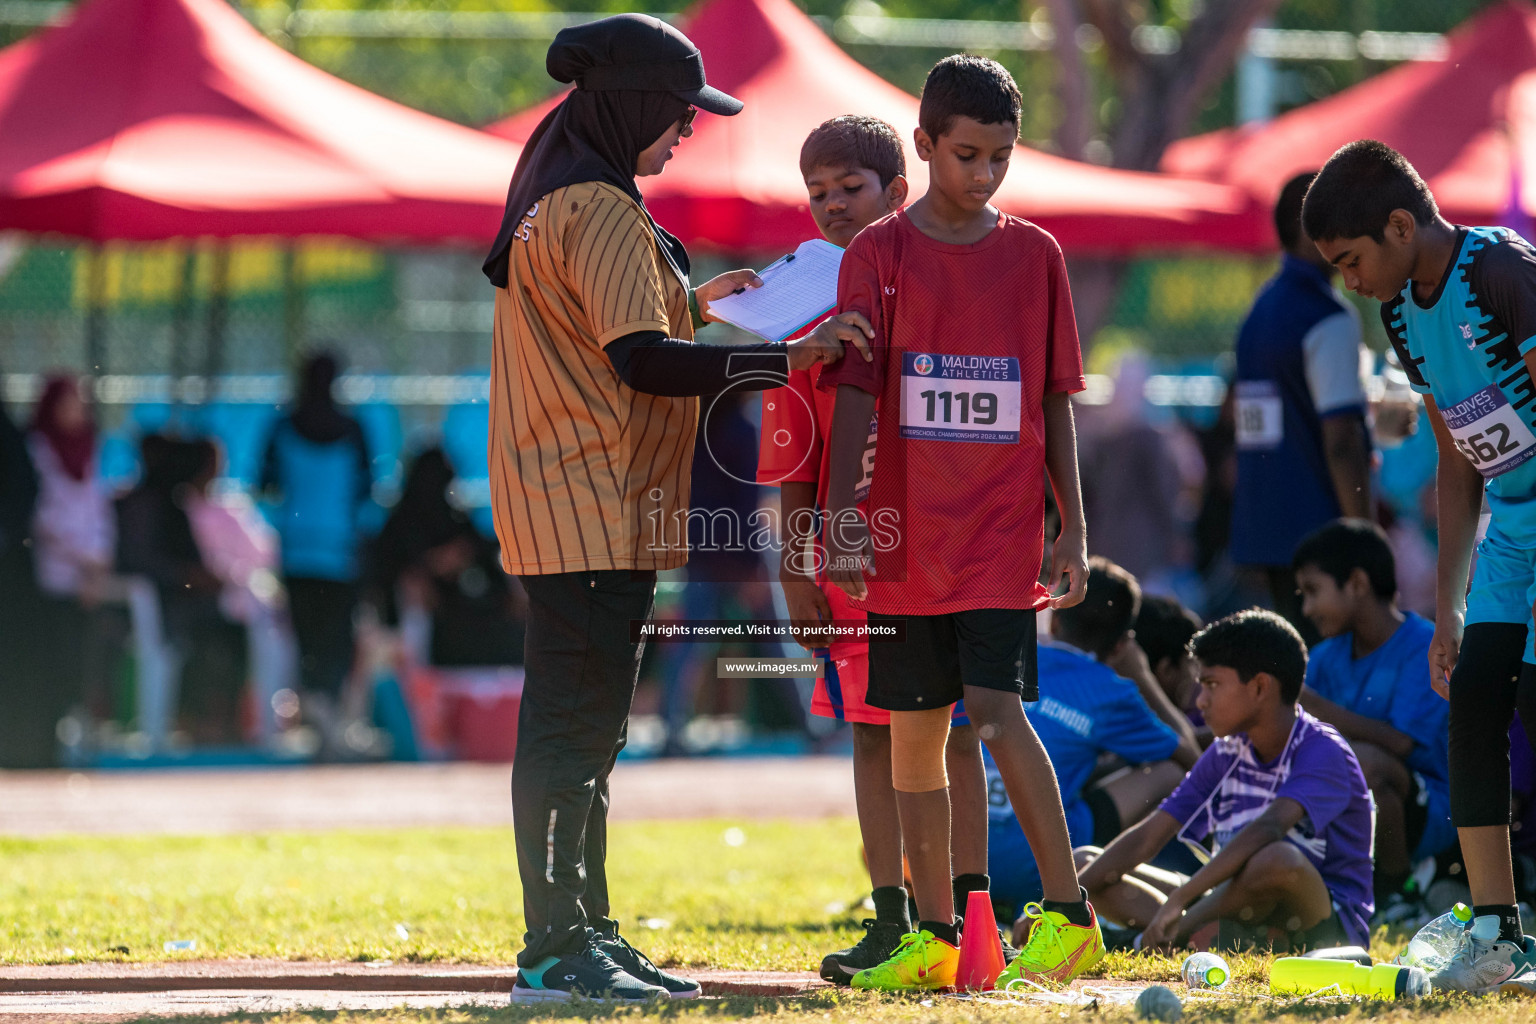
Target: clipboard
[[797, 291]]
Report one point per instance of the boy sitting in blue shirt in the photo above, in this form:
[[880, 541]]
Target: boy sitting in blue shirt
[[1369, 679], [1086, 709]]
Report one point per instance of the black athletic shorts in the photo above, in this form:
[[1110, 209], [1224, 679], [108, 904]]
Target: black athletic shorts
[[993, 648]]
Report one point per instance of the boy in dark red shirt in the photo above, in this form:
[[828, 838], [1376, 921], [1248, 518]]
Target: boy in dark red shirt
[[854, 171], [976, 352]]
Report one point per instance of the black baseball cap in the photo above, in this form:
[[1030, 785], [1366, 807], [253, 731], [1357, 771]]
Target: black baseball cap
[[635, 51]]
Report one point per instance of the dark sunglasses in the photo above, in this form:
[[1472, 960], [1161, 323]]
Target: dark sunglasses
[[688, 118]]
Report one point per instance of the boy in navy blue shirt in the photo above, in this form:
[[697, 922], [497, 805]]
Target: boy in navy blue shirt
[[1303, 455], [1369, 679]]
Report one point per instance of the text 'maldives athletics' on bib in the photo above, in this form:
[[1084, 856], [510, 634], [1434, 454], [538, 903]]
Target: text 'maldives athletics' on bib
[[1489, 432], [960, 398]]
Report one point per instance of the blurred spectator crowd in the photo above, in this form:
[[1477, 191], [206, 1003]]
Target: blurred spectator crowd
[[191, 608], [185, 610], [1159, 489]]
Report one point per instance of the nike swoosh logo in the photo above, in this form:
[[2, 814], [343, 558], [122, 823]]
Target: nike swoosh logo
[[1069, 966]]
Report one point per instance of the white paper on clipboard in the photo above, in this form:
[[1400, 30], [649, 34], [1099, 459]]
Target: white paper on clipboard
[[796, 292]]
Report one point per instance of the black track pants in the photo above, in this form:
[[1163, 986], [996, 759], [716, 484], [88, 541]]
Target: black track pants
[[581, 671]]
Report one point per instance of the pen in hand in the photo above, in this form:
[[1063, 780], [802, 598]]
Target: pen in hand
[[787, 259]]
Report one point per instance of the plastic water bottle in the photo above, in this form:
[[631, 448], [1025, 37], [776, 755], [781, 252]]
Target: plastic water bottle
[[1205, 970], [1437, 941]]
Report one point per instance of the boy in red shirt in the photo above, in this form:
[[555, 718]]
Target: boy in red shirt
[[854, 171], [975, 352]]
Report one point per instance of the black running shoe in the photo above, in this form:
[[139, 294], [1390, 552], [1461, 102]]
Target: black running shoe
[[638, 965], [590, 974], [1008, 951], [880, 940]]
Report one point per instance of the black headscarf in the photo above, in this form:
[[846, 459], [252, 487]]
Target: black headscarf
[[315, 415], [601, 127]]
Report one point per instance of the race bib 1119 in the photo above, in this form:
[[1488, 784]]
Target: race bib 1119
[[1489, 432], [960, 398]]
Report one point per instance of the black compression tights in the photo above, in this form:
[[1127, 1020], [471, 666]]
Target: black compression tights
[[1489, 684]]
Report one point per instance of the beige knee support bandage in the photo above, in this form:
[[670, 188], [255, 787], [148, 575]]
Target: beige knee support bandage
[[917, 750]]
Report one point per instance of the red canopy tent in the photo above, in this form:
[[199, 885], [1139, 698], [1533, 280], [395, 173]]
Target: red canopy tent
[[736, 183], [1452, 119], [153, 119]]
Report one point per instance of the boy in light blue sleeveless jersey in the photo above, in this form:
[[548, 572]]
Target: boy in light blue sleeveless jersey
[[1459, 305]]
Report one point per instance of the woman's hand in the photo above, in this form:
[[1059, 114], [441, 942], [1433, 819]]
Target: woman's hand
[[728, 283], [826, 344]]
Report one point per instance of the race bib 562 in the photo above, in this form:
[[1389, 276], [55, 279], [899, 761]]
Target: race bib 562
[[1489, 432]]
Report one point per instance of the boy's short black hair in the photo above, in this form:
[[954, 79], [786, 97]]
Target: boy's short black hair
[[855, 142], [1163, 628], [1107, 611], [966, 85], [1344, 545], [1357, 190], [1254, 641], [1288, 208]]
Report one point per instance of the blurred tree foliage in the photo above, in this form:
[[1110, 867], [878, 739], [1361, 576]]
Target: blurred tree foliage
[[475, 81]]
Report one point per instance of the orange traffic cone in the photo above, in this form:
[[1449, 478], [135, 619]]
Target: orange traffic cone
[[981, 949]]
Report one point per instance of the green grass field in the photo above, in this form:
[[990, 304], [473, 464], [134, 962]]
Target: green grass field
[[726, 894], [831, 1008], [721, 893]]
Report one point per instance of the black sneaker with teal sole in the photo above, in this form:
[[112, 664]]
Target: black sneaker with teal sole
[[880, 940], [590, 974], [638, 965]]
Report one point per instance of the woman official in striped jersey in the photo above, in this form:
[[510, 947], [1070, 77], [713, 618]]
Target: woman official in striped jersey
[[593, 416]]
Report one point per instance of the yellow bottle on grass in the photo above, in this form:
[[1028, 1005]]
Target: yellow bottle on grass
[[1300, 976]]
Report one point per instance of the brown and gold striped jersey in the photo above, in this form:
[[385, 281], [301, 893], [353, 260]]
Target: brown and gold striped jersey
[[585, 471]]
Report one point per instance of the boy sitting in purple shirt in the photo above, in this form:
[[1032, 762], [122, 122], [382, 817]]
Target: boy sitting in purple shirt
[[1279, 792]]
